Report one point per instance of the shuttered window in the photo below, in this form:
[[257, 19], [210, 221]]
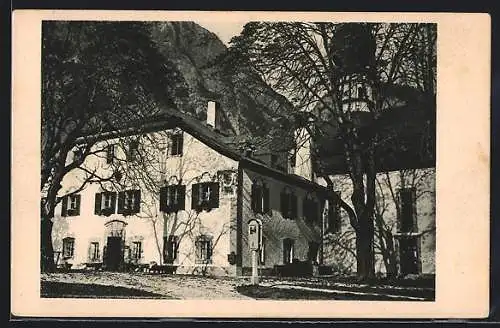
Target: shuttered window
[[133, 150], [407, 213], [260, 198], [71, 205], [105, 203], [177, 144], [205, 196], [129, 202], [310, 210], [172, 198], [288, 204], [170, 248], [136, 250]]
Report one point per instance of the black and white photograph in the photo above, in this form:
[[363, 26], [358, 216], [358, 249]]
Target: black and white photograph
[[250, 159], [295, 160]]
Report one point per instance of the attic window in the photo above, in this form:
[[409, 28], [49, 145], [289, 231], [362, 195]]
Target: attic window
[[133, 150]]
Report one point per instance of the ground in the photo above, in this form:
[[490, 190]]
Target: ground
[[98, 284]]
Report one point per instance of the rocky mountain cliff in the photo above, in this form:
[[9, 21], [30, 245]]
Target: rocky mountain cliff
[[248, 105]]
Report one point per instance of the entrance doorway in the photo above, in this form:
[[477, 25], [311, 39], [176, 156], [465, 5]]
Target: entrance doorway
[[115, 242], [114, 254], [408, 255]]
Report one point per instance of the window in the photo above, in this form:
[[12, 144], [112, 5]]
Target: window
[[68, 247], [205, 196], [310, 210], [129, 202], [332, 213], [172, 198], [133, 150], [288, 245], [136, 251], [110, 154], [262, 252], [177, 143], [94, 252], [71, 205], [288, 204], [260, 198], [407, 217], [170, 248], [105, 203], [203, 246]]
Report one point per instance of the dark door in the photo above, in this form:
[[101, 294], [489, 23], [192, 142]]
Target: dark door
[[408, 254], [114, 256]]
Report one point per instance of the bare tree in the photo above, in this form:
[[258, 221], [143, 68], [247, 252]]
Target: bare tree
[[96, 77], [309, 63]]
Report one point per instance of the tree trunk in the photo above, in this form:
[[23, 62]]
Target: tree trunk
[[364, 249], [47, 252]]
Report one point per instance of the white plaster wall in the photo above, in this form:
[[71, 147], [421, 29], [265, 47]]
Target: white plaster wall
[[275, 227], [198, 160], [339, 248]]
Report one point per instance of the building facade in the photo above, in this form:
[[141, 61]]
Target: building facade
[[175, 194]]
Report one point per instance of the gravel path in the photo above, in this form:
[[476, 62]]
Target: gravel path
[[171, 286]]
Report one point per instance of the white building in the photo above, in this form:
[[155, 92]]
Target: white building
[[182, 195]]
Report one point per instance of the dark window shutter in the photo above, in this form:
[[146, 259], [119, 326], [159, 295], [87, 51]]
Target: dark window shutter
[[414, 209], [121, 202], [182, 197], [113, 201], [293, 201], [180, 143], [254, 197], [137, 203], [77, 209], [97, 208], [267, 206], [283, 204], [195, 196], [214, 196], [163, 199], [64, 209]]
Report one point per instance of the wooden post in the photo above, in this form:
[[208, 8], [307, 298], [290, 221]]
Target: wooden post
[[255, 272]]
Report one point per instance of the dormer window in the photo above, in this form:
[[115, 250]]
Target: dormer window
[[172, 198]]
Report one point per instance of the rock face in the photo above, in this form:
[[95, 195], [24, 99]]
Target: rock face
[[246, 104]]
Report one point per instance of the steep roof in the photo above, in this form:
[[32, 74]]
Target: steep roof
[[224, 144]]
